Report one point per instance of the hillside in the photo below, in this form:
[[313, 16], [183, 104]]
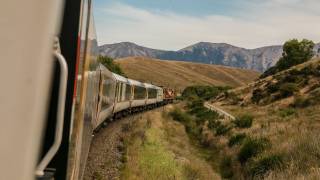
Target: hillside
[[182, 74], [275, 134], [259, 59]]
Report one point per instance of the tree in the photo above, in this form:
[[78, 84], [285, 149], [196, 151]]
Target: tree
[[294, 52], [109, 64]]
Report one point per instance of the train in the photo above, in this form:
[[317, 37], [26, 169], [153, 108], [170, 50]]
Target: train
[[119, 96], [55, 95]]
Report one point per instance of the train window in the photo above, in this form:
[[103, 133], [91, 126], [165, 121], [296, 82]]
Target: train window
[[107, 94], [128, 92], [139, 92], [119, 90], [123, 92], [152, 93]]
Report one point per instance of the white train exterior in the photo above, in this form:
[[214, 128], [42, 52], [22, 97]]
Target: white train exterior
[[55, 99]]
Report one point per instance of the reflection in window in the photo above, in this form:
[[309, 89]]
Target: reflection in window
[[107, 94], [128, 93], [139, 92], [152, 93]]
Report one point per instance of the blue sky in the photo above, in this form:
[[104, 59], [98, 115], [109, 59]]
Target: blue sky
[[174, 24]]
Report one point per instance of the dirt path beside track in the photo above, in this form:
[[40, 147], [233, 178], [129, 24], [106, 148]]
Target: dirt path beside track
[[104, 160]]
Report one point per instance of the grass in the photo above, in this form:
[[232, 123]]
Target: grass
[[157, 159], [262, 165], [159, 148], [285, 112], [251, 148], [180, 75], [236, 139], [244, 121], [226, 167]]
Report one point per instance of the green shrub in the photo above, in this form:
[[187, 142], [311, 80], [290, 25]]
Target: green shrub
[[301, 102], [251, 148], [110, 65], [294, 52], [265, 164], [257, 95], [288, 89], [236, 139], [244, 121], [272, 88], [180, 116], [287, 112], [226, 167], [233, 97], [222, 129], [203, 92]]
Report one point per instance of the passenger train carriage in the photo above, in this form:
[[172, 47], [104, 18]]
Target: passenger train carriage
[[56, 98]]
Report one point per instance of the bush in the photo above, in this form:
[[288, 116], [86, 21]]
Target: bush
[[203, 92], [110, 65], [226, 167], [257, 95], [301, 102], [244, 121], [180, 116], [222, 129], [233, 97], [236, 139], [251, 148], [294, 52], [272, 88], [288, 89], [287, 112], [265, 164], [203, 114]]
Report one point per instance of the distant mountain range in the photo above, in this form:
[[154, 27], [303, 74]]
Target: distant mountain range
[[259, 59]]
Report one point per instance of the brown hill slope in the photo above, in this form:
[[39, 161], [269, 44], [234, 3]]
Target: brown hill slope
[[285, 111], [182, 74]]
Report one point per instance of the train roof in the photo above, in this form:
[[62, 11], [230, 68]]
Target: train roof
[[136, 83], [120, 78], [151, 86]]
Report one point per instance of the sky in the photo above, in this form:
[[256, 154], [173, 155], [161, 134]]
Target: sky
[[175, 24]]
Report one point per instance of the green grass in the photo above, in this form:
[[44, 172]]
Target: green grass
[[156, 159]]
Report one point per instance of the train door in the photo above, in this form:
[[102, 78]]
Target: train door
[[86, 96]]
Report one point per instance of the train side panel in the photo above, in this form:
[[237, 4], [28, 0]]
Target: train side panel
[[107, 95]]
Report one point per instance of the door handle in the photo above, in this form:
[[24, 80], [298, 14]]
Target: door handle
[[60, 115]]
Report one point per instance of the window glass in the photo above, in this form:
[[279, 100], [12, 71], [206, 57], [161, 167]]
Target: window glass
[[107, 94], [152, 93], [139, 92], [128, 92]]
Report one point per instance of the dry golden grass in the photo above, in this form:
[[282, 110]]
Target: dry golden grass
[[182, 74], [293, 135]]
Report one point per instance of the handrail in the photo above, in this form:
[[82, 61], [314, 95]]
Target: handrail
[[60, 115]]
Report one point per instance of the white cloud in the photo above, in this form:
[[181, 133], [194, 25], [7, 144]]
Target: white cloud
[[259, 24]]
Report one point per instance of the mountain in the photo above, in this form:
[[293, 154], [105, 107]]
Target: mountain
[[179, 74], [127, 49], [259, 59]]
